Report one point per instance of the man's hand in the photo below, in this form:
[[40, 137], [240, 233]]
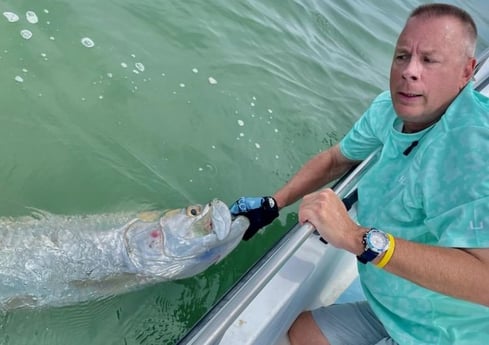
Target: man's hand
[[328, 214], [260, 211]]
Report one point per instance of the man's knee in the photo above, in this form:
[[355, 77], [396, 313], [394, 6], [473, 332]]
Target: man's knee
[[305, 331]]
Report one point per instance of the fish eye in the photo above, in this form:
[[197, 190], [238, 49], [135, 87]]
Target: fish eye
[[193, 211]]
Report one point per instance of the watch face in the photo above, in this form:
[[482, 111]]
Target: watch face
[[377, 240]]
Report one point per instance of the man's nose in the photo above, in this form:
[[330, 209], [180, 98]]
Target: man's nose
[[412, 69]]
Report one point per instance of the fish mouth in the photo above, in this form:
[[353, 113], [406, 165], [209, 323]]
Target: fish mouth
[[220, 218]]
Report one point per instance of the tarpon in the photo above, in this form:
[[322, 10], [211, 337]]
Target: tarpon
[[58, 260]]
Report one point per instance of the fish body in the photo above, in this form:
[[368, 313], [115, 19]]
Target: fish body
[[59, 260]]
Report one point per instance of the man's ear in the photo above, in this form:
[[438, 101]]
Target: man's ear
[[468, 72]]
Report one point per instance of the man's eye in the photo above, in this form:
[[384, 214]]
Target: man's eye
[[194, 210]]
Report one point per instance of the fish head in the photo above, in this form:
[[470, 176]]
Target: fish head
[[182, 242], [195, 229]]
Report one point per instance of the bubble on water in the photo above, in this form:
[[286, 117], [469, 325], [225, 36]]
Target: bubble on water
[[277, 156], [11, 16], [31, 17], [241, 123], [195, 70], [19, 79], [100, 97], [212, 81], [51, 38], [87, 42], [270, 111], [46, 11], [110, 75], [135, 71], [252, 104], [241, 134], [26, 34], [140, 66], [25, 70], [257, 145], [182, 85], [213, 147], [124, 65], [276, 130], [201, 169], [163, 74]]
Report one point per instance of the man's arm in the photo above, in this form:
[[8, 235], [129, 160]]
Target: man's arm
[[316, 173], [460, 273]]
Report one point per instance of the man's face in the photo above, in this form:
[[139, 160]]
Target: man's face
[[429, 68]]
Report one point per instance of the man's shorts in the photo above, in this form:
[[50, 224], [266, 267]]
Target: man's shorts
[[351, 324]]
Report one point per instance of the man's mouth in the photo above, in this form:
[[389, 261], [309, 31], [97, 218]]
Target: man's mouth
[[409, 94]]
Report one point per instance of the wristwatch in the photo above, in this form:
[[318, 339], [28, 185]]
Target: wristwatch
[[376, 242]]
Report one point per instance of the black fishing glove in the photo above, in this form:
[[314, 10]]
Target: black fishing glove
[[260, 211]]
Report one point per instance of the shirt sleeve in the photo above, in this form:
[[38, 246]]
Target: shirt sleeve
[[369, 131]]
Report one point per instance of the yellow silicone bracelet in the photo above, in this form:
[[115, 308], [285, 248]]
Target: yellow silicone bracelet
[[388, 254]]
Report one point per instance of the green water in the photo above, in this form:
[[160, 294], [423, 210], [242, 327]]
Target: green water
[[122, 105]]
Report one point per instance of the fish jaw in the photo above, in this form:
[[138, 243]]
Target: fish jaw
[[221, 219]]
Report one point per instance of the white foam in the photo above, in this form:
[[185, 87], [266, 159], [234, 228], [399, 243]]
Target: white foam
[[241, 123], [19, 79], [212, 81], [257, 145], [87, 42], [195, 70], [140, 66], [31, 17], [26, 34], [11, 16], [182, 85]]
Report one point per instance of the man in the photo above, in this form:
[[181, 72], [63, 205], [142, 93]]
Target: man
[[425, 271]]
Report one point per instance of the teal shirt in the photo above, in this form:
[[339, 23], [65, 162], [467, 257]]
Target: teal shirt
[[437, 195]]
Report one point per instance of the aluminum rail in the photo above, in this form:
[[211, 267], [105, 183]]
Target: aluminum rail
[[212, 327]]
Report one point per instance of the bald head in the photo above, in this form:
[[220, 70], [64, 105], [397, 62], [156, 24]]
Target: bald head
[[469, 29]]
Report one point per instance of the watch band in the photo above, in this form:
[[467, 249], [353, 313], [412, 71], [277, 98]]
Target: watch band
[[367, 256]]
